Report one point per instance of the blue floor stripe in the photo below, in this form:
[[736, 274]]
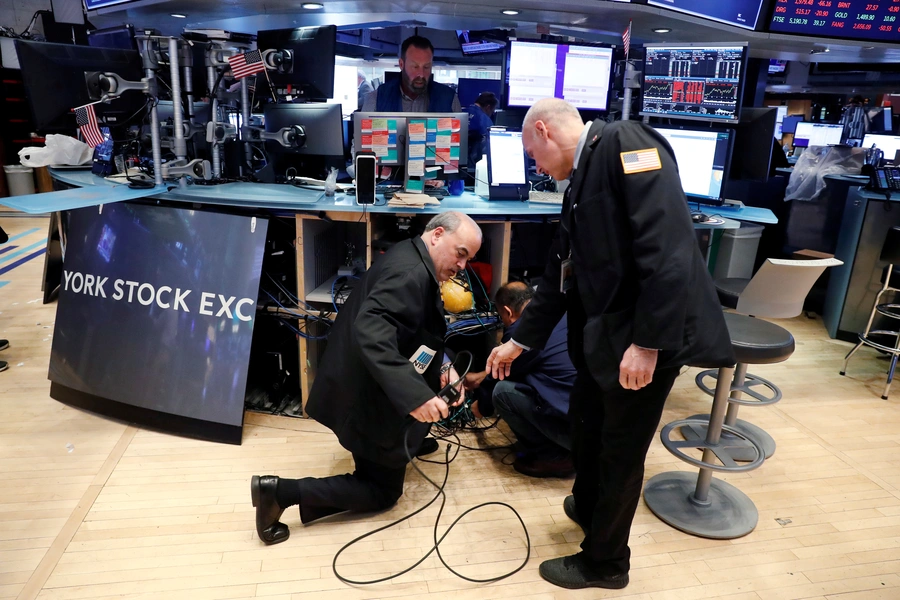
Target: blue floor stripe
[[2, 283], [25, 249], [6, 249], [25, 259], [23, 234]]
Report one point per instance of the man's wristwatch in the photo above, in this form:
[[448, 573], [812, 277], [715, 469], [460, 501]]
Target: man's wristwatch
[[446, 367]]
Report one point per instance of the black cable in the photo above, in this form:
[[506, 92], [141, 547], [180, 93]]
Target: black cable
[[440, 493], [437, 541]]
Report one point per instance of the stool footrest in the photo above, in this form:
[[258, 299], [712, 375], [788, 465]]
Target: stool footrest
[[868, 341], [750, 381], [736, 439]]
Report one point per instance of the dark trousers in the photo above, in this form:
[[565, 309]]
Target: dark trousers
[[612, 431], [541, 430], [371, 487]]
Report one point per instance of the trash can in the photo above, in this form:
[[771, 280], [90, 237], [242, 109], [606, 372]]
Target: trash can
[[19, 179], [737, 252]]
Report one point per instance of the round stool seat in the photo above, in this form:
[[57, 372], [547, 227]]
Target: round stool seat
[[758, 342], [729, 289]]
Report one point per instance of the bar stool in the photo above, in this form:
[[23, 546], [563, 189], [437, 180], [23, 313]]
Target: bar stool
[[890, 253], [777, 291], [699, 504]]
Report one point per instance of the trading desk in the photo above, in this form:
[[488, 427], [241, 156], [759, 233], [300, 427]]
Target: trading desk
[[324, 227]]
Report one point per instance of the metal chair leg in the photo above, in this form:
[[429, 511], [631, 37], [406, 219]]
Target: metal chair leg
[[849, 355]]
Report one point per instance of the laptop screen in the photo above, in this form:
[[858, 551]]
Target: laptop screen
[[507, 159]]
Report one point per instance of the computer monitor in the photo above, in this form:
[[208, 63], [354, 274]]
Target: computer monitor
[[817, 134], [56, 78], [305, 61], [789, 123], [468, 90], [324, 145], [703, 156], [165, 110], [121, 37], [389, 138], [777, 67], [889, 144], [752, 149], [507, 165], [881, 120], [578, 73], [740, 13], [694, 81]]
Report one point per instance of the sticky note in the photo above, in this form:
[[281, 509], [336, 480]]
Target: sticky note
[[417, 150]]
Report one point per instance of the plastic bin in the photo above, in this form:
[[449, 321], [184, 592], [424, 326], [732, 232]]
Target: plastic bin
[[19, 179], [737, 252]]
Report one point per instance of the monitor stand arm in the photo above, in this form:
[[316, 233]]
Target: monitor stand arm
[[289, 137]]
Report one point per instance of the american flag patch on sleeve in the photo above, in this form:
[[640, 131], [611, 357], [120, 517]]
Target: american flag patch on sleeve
[[639, 161]]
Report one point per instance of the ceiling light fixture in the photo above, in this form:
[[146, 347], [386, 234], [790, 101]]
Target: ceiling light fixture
[[312, 5], [177, 16], [662, 30], [510, 12]]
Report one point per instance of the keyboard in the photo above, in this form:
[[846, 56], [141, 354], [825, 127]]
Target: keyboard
[[546, 197]]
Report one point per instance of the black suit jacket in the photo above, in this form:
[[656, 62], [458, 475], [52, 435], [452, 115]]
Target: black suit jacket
[[367, 383], [639, 274]]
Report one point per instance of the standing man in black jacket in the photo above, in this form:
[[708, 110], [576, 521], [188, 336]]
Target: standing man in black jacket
[[377, 386], [641, 304]]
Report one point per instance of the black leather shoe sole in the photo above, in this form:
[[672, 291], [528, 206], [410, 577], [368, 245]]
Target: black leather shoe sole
[[262, 494]]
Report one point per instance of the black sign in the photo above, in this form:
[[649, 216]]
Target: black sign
[[858, 19], [156, 309]]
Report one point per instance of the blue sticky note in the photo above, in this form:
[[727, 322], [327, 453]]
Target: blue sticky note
[[431, 137], [415, 185], [392, 139], [391, 156]]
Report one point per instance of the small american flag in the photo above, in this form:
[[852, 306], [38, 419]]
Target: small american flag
[[626, 39], [87, 123], [639, 161], [243, 65]]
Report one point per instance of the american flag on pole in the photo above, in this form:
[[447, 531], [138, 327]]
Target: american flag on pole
[[626, 39], [243, 65], [639, 161], [87, 123]]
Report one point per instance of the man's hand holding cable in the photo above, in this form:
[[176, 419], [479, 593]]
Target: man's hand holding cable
[[432, 411]]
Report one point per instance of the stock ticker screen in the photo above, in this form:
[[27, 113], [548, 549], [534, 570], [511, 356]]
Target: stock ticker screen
[[877, 20], [694, 82]]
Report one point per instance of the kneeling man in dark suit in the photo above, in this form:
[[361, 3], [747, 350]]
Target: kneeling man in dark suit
[[376, 388]]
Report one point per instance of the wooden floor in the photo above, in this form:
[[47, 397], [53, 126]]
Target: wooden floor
[[95, 509]]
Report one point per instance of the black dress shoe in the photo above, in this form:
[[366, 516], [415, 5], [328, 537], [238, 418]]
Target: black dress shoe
[[545, 467], [262, 493], [569, 509], [574, 573], [429, 446]]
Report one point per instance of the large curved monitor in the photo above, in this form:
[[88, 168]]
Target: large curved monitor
[[694, 81], [577, 73], [740, 13]]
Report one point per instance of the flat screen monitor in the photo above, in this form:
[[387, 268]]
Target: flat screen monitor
[[702, 157], [889, 144], [121, 37], [789, 123], [305, 66], [577, 73], [694, 81], [740, 13], [481, 42], [385, 134], [854, 19], [751, 156], [56, 78], [95, 4], [507, 165], [777, 67], [322, 123], [881, 119], [468, 90], [817, 134]]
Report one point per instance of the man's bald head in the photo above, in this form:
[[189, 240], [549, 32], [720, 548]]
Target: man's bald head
[[550, 135], [552, 111]]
